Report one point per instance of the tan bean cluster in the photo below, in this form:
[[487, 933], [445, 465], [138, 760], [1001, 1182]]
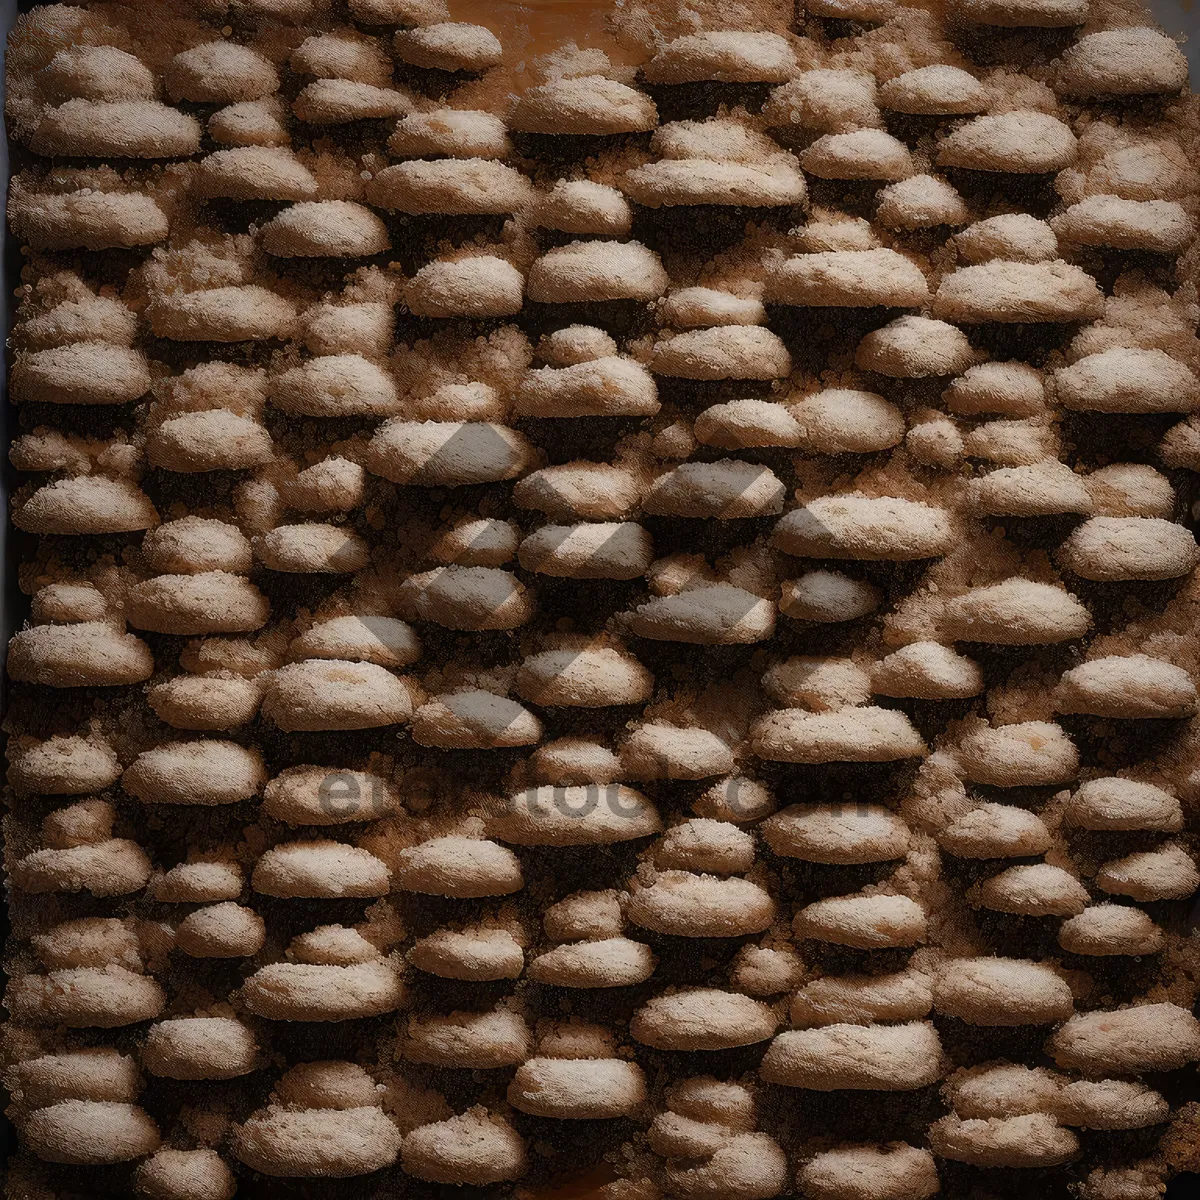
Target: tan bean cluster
[[630, 613]]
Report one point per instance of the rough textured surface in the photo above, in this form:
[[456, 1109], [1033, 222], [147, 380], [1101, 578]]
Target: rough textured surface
[[612, 594]]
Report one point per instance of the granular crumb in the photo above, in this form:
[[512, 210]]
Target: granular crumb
[[611, 599]]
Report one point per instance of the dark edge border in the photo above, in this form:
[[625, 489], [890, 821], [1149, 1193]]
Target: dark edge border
[[14, 604], [10, 592]]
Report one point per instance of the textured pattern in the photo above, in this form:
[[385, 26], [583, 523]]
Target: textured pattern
[[619, 612]]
